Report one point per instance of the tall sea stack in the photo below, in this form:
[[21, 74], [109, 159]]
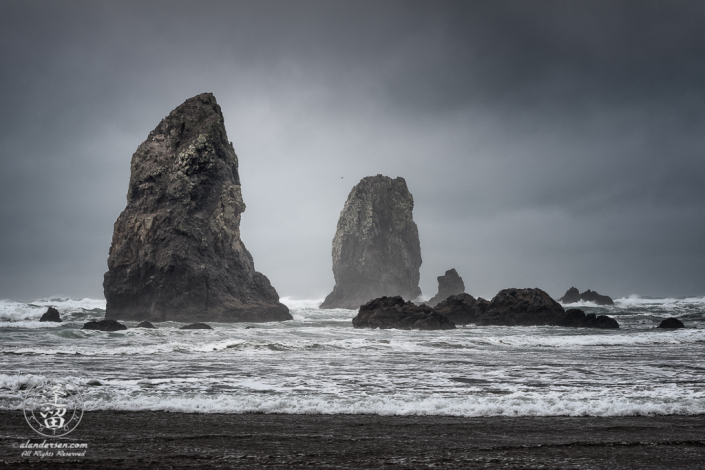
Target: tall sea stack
[[176, 252], [376, 250]]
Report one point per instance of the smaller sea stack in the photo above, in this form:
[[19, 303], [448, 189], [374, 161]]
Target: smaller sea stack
[[449, 284]]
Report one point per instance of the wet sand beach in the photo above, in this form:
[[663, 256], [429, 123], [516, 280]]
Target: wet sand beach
[[179, 440]]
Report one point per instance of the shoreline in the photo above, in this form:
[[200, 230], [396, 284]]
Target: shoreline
[[158, 439]]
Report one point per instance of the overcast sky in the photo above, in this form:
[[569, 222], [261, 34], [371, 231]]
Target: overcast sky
[[546, 144]]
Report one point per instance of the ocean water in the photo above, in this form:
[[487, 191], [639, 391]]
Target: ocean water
[[318, 363]]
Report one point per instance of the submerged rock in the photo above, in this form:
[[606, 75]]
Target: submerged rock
[[449, 284], [572, 296], [462, 309], [376, 250], [577, 318], [196, 326], [104, 325], [176, 252], [145, 324], [52, 315], [394, 312], [671, 323]]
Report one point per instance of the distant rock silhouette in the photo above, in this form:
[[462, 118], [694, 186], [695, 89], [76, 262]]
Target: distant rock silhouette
[[449, 284], [671, 323], [572, 296], [462, 309], [145, 324], [376, 250], [104, 325], [176, 252], [394, 312], [196, 326], [51, 315]]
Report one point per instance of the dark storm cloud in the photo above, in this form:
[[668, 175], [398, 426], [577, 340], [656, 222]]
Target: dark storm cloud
[[546, 143]]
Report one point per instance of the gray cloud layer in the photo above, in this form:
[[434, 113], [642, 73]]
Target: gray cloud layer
[[546, 144]]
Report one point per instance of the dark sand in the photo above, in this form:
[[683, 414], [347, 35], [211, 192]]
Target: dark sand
[[178, 440]]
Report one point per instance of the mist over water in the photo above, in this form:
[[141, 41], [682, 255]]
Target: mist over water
[[318, 363]]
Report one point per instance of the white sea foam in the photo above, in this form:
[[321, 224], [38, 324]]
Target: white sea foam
[[636, 301], [685, 336], [16, 311], [168, 340], [69, 304], [11, 311], [580, 303], [267, 395], [318, 363], [509, 405], [300, 304]]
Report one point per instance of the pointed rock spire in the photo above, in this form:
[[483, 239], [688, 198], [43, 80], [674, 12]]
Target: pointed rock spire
[[176, 252]]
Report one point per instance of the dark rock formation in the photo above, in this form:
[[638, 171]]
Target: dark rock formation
[[51, 314], [572, 296], [376, 250], [393, 312], [529, 307], [671, 323], [522, 307], [196, 326], [594, 297], [578, 318], [462, 309], [449, 284], [145, 324], [176, 252], [510, 307], [104, 325]]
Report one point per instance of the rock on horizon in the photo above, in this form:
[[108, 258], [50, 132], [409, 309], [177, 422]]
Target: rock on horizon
[[376, 249], [176, 253], [573, 295]]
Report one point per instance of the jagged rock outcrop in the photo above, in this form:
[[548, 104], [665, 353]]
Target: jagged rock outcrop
[[578, 319], [51, 315], [394, 312], [572, 296], [104, 325], [671, 323], [176, 252], [462, 309], [449, 284], [145, 324], [376, 250]]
